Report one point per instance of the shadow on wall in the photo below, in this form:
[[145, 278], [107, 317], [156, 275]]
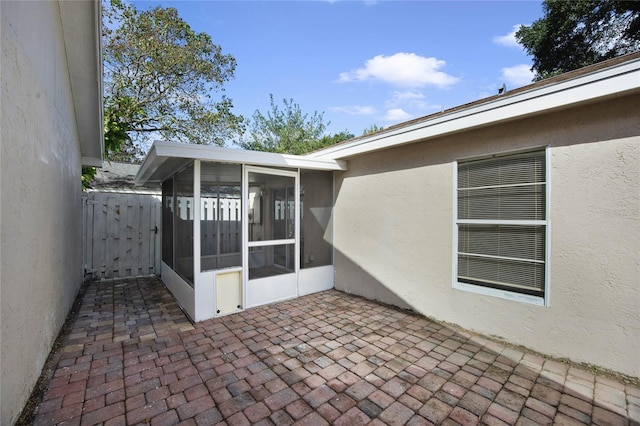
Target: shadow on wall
[[359, 278], [505, 370]]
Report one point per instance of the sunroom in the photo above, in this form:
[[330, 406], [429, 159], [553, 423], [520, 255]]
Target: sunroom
[[241, 228]]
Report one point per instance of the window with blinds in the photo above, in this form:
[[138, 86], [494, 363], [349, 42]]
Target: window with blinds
[[501, 222]]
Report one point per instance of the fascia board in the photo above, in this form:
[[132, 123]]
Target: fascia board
[[615, 80], [161, 151], [258, 158], [150, 164]]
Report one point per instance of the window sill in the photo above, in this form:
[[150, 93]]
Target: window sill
[[502, 294]]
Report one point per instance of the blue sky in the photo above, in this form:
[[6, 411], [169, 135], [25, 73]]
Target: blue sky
[[365, 62]]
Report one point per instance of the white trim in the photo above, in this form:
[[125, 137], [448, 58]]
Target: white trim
[[454, 245], [296, 232], [265, 290], [313, 280], [502, 294], [333, 224], [204, 295], [547, 259], [489, 256], [197, 247], [263, 243], [615, 80], [501, 222], [226, 270], [276, 172], [505, 153], [512, 185], [161, 151], [487, 291], [149, 166], [245, 232], [181, 290]]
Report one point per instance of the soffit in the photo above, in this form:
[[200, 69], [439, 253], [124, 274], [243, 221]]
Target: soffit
[[81, 28]]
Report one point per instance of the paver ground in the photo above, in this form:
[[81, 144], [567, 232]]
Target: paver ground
[[132, 357]]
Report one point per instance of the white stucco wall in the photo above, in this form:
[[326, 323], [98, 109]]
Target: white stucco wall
[[40, 196], [394, 232]]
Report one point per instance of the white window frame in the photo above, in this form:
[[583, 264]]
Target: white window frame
[[487, 291]]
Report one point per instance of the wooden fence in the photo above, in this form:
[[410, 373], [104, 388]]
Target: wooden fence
[[122, 234]]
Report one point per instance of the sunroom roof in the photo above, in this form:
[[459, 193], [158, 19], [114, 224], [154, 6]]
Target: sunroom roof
[[166, 158]]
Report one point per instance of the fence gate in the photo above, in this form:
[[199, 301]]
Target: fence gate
[[122, 234]]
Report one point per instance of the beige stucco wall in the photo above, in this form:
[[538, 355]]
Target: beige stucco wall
[[394, 231], [40, 196]]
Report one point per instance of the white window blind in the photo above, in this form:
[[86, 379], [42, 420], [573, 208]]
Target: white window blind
[[502, 222]]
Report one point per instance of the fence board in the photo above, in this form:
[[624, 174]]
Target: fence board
[[120, 238], [123, 241], [100, 234], [112, 226], [134, 264]]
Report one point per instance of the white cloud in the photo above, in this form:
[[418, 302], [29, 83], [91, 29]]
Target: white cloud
[[519, 75], [409, 98], [353, 110], [397, 114], [402, 69], [508, 40]]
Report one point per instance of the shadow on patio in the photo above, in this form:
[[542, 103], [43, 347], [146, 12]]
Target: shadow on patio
[[130, 356]]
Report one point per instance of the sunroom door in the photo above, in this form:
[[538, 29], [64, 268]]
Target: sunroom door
[[271, 235]]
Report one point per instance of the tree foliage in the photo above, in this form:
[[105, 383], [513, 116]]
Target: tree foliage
[[577, 33], [329, 140], [372, 129], [163, 80], [285, 130]]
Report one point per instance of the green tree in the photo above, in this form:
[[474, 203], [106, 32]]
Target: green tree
[[285, 130], [372, 129], [163, 80], [577, 33], [329, 140]]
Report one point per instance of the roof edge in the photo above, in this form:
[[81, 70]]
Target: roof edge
[[81, 32], [161, 151], [622, 74]]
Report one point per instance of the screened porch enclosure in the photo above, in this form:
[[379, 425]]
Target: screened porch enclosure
[[220, 216], [237, 235], [272, 223]]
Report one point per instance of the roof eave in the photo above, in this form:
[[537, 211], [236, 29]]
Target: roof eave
[[160, 152], [620, 79], [81, 29]]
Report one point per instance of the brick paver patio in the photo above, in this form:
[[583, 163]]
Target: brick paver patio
[[132, 357]]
